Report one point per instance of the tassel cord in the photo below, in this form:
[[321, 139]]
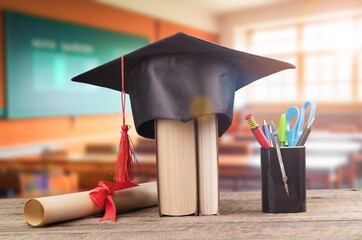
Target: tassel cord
[[125, 157]]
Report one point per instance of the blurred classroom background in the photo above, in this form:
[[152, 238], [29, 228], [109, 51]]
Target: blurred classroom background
[[57, 136]]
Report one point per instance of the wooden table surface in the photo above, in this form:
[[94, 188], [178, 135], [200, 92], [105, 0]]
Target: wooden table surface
[[331, 214]]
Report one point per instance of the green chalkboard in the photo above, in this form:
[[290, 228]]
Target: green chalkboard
[[42, 55]]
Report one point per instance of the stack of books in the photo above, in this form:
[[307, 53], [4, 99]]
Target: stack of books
[[187, 166]]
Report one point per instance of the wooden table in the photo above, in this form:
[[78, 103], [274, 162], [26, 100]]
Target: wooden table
[[331, 214]]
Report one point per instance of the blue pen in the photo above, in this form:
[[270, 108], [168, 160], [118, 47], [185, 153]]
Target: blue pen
[[266, 131]]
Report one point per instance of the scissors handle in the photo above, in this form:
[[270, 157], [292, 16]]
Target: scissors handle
[[303, 111], [313, 109], [291, 132]]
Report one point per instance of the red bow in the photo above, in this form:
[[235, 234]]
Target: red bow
[[103, 194]]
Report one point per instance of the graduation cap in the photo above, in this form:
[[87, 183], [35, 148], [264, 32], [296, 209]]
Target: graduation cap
[[181, 77]]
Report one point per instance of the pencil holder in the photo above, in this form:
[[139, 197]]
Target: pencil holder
[[274, 195]]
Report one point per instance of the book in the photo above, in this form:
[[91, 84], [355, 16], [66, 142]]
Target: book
[[176, 167], [208, 171]]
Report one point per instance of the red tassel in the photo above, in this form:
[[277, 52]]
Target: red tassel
[[125, 158]]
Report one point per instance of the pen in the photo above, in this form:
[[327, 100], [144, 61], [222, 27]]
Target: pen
[[270, 135], [275, 139], [282, 129], [305, 133], [266, 132], [255, 129]]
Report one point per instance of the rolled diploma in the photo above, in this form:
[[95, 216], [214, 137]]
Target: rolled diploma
[[45, 210]]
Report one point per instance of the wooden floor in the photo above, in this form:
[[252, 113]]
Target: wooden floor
[[331, 214]]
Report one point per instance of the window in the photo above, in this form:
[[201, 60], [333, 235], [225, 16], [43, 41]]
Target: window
[[280, 44], [328, 36], [328, 56], [275, 42], [358, 43], [326, 50], [328, 77], [359, 76]]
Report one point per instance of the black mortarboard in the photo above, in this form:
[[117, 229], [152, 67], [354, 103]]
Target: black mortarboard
[[182, 77]]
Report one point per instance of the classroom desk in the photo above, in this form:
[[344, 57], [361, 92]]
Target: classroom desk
[[235, 169], [104, 162], [331, 214]]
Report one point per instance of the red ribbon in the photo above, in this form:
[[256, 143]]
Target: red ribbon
[[103, 195]]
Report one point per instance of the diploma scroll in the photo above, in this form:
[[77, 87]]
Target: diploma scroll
[[41, 211]]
